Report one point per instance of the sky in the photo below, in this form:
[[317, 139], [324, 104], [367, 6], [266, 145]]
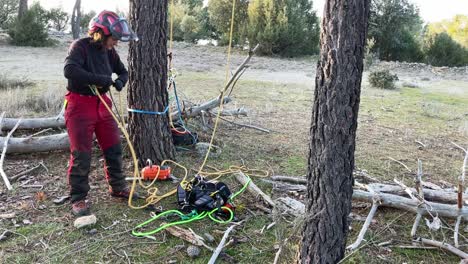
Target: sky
[[430, 10]]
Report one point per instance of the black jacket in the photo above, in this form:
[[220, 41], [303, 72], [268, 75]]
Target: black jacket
[[89, 63]]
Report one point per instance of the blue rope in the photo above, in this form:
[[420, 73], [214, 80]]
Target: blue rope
[[195, 138], [148, 112]]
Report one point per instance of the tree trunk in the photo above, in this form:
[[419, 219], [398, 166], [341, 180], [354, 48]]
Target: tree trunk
[[333, 130], [76, 20], [150, 134], [23, 7]]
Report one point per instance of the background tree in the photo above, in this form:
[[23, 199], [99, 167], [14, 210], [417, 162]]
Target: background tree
[[220, 17], [396, 27], [442, 50], [76, 20], [333, 131], [456, 28], [23, 7], [58, 19], [148, 81], [8, 10], [286, 27], [84, 22]]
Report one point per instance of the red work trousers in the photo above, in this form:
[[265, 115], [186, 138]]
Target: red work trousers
[[84, 116]]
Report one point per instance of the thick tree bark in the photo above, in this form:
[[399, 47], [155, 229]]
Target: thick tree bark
[[148, 81], [23, 7], [333, 130], [76, 20]]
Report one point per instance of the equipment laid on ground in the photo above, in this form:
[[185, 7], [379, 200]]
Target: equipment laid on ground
[[155, 172], [202, 195]]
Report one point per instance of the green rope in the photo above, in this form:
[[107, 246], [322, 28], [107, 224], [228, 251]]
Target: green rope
[[188, 218]]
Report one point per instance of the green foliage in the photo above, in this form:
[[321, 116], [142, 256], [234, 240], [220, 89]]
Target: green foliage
[[189, 27], [220, 17], [8, 11], [383, 80], [395, 25], [31, 29], [58, 19], [442, 50], [456, 28], [287, 27], [84, 22]]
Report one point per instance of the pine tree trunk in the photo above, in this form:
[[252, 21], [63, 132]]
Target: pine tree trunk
[[23, 7], [333, 130], [76, 20], [150, 134]]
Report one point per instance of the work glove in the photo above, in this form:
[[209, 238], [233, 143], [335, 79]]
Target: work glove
[[118, 84], [103, 80]]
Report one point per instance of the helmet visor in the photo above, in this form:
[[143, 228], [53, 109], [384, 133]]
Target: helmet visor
[[120, 30]]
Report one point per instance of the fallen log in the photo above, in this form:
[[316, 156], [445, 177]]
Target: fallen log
[[34, 123], [411, 205], [444, 196], [197, 110], [37, 144], [253, 189]]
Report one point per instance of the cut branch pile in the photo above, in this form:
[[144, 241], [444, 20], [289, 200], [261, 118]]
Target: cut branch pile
[[435, 203]]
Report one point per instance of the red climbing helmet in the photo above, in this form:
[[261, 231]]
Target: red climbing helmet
[[111, 24]]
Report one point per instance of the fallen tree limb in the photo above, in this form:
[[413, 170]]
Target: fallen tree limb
[[2, 158], [365, 226], [37, 144], [296, 180], [407, 204], [28, 171], [444, 246], [34, 123], [445, 196], [220, 247], [198, 109], [253, 189], [186, 235], [245, 125]]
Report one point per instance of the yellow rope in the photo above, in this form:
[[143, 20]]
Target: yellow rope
[[221, 96], [153, 196]]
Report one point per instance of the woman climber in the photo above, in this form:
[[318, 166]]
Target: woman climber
[[91, 62]]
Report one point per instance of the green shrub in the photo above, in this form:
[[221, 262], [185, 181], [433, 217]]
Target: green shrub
[[383, 80], [442, 50], [31, 29]]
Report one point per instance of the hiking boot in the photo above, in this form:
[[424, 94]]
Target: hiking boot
[[80, 208], [124, 193]]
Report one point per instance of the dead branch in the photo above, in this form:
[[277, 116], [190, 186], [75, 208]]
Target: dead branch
[[240, 69], [252, 188], [401, 163], [444, 246], [2, 158], [187, 235], [245, 125], [34, 123], [278, 253], [297, 180], [37, 144], [416, 224], [197, 110], [411, 205], [26, 172], [365, 226], [220, 247], [456, 231]]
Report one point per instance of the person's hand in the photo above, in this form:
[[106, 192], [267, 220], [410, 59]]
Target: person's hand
[[103, 81], [118, 84]]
